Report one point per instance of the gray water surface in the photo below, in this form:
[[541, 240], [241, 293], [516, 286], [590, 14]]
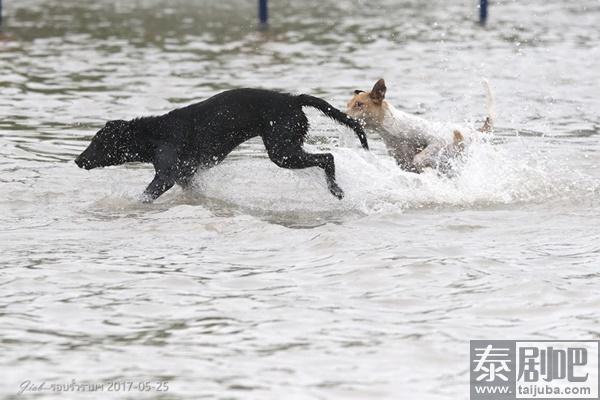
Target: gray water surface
[[258, 284]]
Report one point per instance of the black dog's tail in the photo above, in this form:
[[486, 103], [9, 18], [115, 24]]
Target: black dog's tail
[[335, 114]]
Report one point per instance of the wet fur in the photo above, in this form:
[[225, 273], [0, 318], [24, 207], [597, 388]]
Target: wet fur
[[414, 142], [201, 135]]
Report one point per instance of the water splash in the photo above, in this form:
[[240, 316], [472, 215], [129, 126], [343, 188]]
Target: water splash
[[490, 175]]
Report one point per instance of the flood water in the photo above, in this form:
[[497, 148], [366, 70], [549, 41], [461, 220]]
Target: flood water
[[259, 284]]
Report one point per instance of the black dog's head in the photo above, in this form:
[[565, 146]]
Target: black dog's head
[[112, 145]]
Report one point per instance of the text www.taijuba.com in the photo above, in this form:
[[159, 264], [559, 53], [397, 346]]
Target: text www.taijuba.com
[[493, 390]]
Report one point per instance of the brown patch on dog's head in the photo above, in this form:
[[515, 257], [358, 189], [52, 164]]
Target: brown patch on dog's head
[[369, 107]]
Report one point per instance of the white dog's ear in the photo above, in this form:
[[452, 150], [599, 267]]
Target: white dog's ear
[[378, 91]]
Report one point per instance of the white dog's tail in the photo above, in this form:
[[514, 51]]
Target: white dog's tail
[[490, 102]]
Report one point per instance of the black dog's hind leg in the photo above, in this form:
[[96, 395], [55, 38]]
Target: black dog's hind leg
[[165, 165], [285, 150], [301, 159], [326, 161]]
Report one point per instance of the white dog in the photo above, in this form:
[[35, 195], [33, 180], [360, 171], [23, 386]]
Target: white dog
[[415, 142]]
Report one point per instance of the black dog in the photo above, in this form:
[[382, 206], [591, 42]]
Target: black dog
[[201, 135]]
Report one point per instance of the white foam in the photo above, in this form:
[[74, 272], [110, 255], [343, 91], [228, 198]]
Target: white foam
[[491, 174]]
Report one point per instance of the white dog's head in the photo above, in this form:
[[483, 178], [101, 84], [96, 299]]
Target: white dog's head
[[369, 107]]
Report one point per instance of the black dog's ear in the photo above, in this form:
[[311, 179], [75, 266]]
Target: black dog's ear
[[378, 92], [358, 91]]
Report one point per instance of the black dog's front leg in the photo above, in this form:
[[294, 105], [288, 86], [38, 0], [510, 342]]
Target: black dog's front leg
[[160, 184], [165, 164]]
